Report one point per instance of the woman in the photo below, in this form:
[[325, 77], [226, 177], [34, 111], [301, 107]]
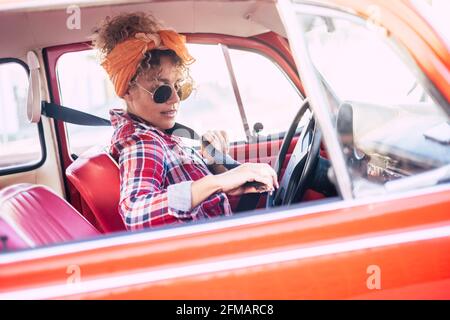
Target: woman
[[161, 182]]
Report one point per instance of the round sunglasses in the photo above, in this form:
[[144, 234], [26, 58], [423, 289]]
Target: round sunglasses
[[163, 93]]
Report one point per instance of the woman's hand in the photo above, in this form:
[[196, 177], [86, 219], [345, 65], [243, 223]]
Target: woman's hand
[[218, 140], [232, 182]]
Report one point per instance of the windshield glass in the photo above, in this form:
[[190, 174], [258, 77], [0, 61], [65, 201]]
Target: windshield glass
[[388, 125]]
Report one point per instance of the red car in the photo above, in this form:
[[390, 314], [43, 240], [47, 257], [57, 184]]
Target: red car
[[349, 100]]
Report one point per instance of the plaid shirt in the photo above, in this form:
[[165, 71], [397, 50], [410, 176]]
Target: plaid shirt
[[150, 161]]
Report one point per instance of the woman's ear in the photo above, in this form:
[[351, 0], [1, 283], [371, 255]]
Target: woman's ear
[[128, 97]]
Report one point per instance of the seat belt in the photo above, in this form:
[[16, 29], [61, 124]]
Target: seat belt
[[69, 115], [61, 113]]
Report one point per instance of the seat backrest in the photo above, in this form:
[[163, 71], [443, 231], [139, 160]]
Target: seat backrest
[[96, 176], [32, 216]]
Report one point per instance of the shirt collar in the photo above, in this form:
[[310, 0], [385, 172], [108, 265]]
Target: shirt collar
[[120, 117]]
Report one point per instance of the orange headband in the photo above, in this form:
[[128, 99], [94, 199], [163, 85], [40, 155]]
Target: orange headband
[[123, 61]]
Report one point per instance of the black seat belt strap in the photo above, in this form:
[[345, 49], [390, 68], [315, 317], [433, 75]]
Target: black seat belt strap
[[69, 115], [58, 112]]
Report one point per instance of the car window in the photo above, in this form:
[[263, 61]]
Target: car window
[[268, 96], [212, 105], [85, 86], [387, 122], [374, 73], [20, 146]]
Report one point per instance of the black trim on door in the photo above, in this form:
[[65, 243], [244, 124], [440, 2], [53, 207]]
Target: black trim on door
[[23, 168]]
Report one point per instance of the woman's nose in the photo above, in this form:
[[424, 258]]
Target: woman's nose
[[174, 98]]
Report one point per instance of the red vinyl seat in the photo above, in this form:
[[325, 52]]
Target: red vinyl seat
[[96, 176], [10, 239], [32, 216]]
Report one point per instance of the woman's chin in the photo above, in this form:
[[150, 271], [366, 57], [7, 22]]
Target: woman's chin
[[167, 124]]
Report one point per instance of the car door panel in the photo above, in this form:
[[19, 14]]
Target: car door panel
[[264, 151], [325, 251]]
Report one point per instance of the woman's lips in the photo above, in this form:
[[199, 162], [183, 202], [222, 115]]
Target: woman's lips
[[169, 114]]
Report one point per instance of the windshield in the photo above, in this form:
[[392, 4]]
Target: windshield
[[436, 13], [388, 125]]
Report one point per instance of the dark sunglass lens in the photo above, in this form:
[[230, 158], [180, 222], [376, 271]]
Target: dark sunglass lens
[[162, 94]]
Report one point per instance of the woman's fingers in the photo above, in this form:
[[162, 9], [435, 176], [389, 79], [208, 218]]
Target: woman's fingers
[[208, 136], [223, 142], [218, 139], [224, 135], [234, 181], [272, 174], [250, 190], [265, 174], [266, 180]]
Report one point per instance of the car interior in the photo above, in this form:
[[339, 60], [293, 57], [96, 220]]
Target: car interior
[[68, 196], [59, 184]]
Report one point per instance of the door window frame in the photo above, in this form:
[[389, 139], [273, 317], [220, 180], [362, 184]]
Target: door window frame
[[262, 44], [37, 164]]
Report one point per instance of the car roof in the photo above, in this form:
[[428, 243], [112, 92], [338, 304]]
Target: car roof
[[33, 24]]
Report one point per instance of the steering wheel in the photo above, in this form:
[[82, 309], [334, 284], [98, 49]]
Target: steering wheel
[[302, 163]]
